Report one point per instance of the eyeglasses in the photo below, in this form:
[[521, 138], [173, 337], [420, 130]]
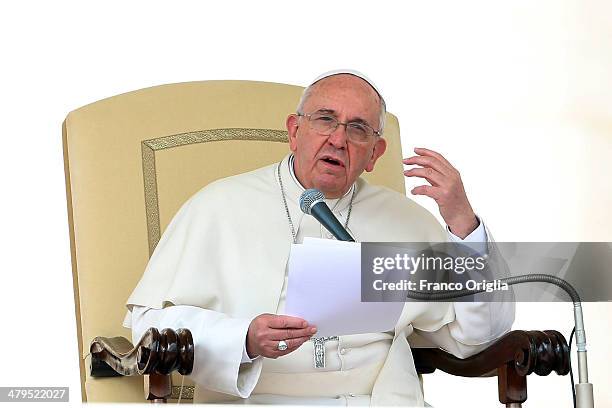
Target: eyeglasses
[[326, 124]]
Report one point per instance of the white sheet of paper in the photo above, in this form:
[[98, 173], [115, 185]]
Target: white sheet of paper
[[324, 288]]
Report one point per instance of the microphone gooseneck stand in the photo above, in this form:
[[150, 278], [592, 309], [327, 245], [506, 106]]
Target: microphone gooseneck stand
[[583, 390]]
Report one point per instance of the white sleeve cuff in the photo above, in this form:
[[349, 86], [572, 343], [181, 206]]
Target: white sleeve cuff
[[245, 355], [478, 235], [477, 239]]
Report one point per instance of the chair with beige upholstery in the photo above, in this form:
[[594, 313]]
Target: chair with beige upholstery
[[132, 160]]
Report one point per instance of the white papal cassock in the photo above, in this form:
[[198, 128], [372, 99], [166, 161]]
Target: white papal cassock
[[222, 261]]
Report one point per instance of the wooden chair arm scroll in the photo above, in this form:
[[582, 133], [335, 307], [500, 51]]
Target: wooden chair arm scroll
[[511, 358], [156, 356]]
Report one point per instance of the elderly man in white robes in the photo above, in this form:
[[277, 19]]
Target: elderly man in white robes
[[220, 268]]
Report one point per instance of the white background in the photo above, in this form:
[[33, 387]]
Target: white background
[[516, 94]]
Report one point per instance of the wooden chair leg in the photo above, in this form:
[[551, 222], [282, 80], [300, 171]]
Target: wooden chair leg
[[512, 387], [158, 387]]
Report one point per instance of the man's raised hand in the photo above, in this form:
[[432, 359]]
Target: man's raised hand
[[446, 189], [266, 330]]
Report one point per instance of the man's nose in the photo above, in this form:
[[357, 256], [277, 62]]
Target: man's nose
[[338, 138]]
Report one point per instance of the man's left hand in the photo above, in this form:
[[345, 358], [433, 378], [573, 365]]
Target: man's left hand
[[446, 188]]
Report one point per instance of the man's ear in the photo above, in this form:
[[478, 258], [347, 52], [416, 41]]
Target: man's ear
[[292, 127], [379, 148]]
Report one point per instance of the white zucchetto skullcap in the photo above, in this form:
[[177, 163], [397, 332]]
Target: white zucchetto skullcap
[[347, 71]]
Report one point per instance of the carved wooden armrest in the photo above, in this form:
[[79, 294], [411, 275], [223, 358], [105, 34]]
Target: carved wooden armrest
[[156, 355], [511, 358]]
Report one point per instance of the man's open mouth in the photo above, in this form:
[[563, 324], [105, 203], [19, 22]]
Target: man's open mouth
[[332, 161]]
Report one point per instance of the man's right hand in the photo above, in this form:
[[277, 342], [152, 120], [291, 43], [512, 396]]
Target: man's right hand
[[266, 330]]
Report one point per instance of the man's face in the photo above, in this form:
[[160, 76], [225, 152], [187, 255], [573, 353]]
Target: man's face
[[332, 163]]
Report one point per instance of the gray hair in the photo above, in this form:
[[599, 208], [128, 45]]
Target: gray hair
[[383, 106]]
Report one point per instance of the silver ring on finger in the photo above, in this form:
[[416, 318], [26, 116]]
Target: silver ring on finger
[[282, 345]]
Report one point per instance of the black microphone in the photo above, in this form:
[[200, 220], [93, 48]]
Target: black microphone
[[312, 202]]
